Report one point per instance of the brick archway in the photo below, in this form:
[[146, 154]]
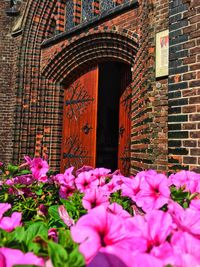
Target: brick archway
[[73, 58]]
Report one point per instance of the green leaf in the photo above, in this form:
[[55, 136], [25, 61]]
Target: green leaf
[[19, 234], [39, 192], [57, 254], [76, 259], [53, 212], [34, 230]]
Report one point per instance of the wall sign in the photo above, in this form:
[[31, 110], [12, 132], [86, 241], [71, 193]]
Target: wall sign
[[162, 53]]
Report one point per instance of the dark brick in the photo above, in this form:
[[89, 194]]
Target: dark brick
[[178, 102], [173, 127], [178, 151], [174, 110], [178, 70], [178, 118], [176, 86], [178, 135], [174, 143]]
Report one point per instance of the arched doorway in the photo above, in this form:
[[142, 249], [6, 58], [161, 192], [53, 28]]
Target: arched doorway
[[96, 118]]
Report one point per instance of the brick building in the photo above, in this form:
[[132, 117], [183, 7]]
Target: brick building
[[78, 83]]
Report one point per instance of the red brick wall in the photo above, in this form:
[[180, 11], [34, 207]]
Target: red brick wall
[[149, 107], [8, 52], [184, 85]]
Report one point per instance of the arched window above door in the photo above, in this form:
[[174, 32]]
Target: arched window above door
[[80, 11]]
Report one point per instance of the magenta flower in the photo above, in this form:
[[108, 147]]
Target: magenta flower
[[3, 208], [145, 260], [11, 257], [154, 228], [26, 179], [65, 216], [10, 223], [107, 260], [115, 184], [66, 179], [187, 220], [186, 179], [42, 210], [101, 174], [102, 231], [66, 182], [131, 187], [39, 168], [195, 204], [94, 197], [117, 209], [84, 169], [186, 249], [53, 234], [86, 180], [66, 191], [154, 192]]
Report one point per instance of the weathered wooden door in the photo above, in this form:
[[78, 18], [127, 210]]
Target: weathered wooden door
[[124, 145], [80, 122]]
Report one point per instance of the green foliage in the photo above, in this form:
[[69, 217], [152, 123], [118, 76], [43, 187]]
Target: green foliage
[[125, 202]]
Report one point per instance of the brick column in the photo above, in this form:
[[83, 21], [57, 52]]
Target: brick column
[[184, 91]]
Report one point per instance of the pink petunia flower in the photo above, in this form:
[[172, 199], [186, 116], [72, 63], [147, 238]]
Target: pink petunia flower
[[39, 168], [65, 216], [154, 227], [11, 257], [100, 174], [85, 168], [186, 220], [94, 197], [115, 184], [26, 179], [145, 260], [186, 179], [66, 182], [186, 249], [107, 260], [10, 223], [3, 208], [117, 209], [102, 231], [131, 187], [66, 179], [195, 204], [86, 180], [154, 192]]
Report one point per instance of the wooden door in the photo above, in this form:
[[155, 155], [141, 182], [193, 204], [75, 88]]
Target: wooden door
[[80, 122], [125, 123]]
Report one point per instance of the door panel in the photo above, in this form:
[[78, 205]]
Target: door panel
[[80, 122], [125, 123]]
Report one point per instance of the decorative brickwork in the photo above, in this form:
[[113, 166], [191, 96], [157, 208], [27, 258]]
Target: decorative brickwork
[[184, 100], [8, 64]]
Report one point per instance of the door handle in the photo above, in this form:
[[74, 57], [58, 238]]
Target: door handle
[[86, 128]]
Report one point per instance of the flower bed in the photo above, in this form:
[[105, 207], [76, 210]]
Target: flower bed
[[97, 218]]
